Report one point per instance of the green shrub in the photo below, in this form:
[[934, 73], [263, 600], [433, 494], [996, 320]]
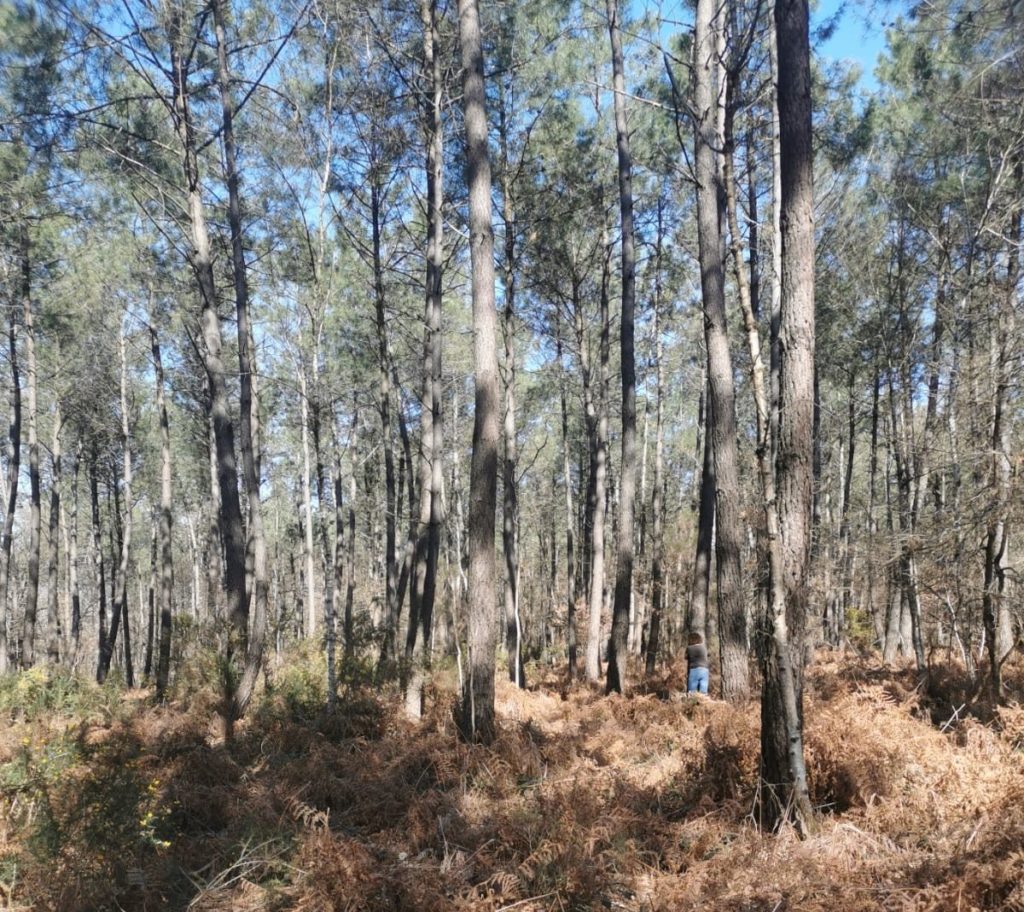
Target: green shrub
[[44, 690]]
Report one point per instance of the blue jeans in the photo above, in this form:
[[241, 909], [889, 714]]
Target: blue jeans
[[697, 680]]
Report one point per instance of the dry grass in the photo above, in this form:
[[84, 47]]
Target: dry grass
[[583, 802]]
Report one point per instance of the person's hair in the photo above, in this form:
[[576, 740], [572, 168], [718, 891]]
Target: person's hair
[[696, 638]]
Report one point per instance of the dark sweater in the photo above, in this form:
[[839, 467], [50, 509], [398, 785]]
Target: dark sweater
[[697, 656]]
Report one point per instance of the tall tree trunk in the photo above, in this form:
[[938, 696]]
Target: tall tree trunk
[[478, 721], [56, 632], [997, 619], [595, 401], [700, 590], [35, 512], [214, 538], [782, 756], [309, 622], [570, 514], [732, 622], [75, 595], [119, 610], [657, 497], [99, 564], [249, 399], [150, 618], [339, 533], [775, 313], [510, 481], [901, 421], [349, 626], [328, 555], [13, 473], [844, 600], [388, 651], [230, 513], [164, 526], [431, 468], [617, 654], [406, 469]]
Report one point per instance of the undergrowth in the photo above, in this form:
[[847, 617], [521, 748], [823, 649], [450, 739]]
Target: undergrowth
[[583, 802]]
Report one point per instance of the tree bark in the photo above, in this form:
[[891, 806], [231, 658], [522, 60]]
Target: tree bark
[[595, 403], [119, 610], [617, 652], [99, 564], [349, 626], [570, 516], [35, 511], [782, 756], [385, 394], [13, 473], [150, 602], [248, 423], [510, 481], [309, 622], [997, 619], [700, 590], [657, 497], [230, 512], [56, 628], [328, 555], [431, 467], [75, 595], [164, 526], [478, 722], [732, 623]]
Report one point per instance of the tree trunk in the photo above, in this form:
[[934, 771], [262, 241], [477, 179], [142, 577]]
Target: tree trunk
[[349, 628], [338, 568], [76, 601], [510, 481], [431, 468], [388, 651], [997, 619], [595, 401], [13, 473], [732, 621], [56, 632], [214, 538], [328, 555], [775, 314], [119, 610], [478, 722], [657, 498], [570, 516], [99, 564], [230, 513], [782, 756], [35, 513], [309, 622], [249, 399], [872, 523], [150, 618], [617, 654], [700, 590], [164, 526]]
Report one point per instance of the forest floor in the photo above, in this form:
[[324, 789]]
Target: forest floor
[[584, 802]]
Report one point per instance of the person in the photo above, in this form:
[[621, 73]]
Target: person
[[697, 674]]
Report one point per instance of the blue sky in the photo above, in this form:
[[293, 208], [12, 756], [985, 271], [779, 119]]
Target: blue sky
[[858, 36]]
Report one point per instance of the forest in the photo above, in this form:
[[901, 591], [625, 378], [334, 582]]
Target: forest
[[399, 391]]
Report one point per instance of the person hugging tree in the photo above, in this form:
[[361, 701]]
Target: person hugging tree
[[697, 674]]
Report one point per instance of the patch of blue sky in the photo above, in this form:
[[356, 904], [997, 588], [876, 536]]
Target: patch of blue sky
[[851, 31]]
